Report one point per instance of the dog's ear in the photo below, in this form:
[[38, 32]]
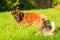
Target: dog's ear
[[15, 12], [43, 20], [21, 14]]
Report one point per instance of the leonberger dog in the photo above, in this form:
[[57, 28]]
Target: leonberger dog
[[28, 18], [46, 29]]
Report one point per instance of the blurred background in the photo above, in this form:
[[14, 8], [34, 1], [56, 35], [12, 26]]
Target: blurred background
[[8, 5]]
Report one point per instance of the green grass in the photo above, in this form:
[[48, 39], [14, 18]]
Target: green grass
[[10, 30]]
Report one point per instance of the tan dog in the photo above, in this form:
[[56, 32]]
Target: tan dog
[[28, 18], [46, 29]]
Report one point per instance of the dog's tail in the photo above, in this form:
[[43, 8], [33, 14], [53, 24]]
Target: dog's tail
[[52, 26]]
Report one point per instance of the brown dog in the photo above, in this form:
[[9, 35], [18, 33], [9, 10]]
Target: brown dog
[[28, 18]]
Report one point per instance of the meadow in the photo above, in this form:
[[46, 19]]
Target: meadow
[[10, 30]]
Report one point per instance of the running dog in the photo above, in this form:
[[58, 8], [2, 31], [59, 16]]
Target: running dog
[[46, 29]]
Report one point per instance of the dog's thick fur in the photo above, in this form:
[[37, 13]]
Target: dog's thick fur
[[46, 29], [28, 18]]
